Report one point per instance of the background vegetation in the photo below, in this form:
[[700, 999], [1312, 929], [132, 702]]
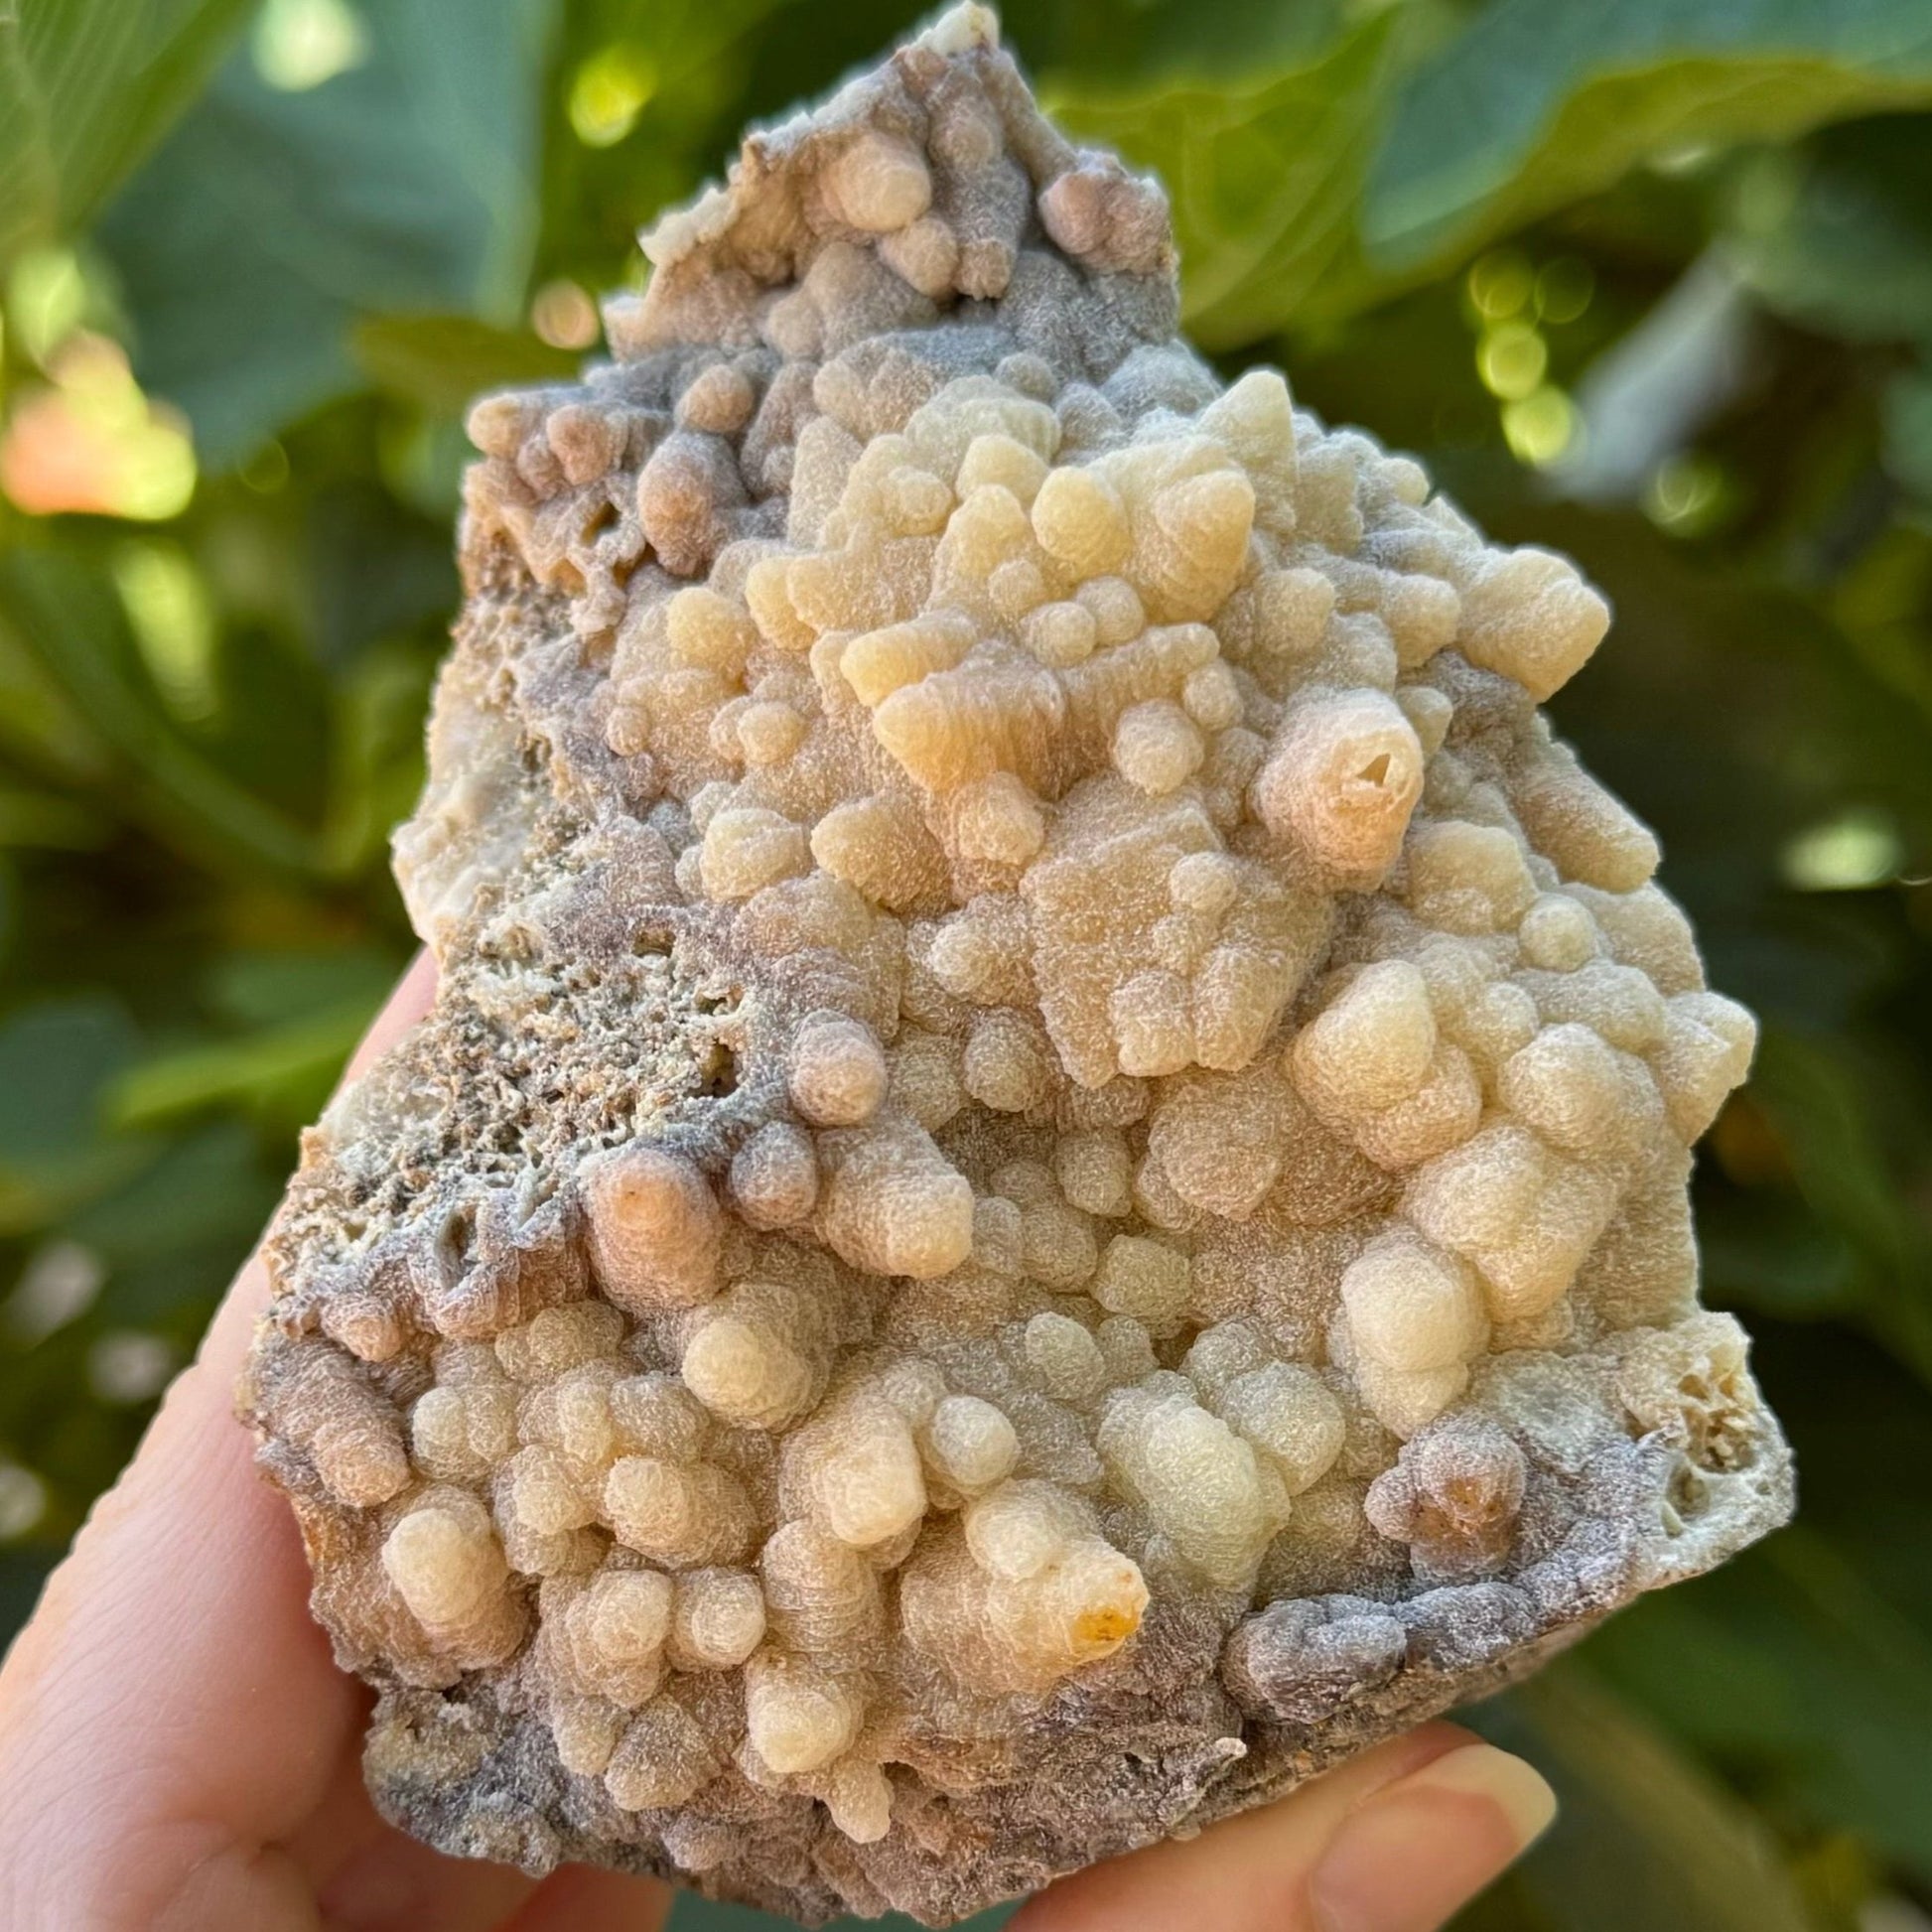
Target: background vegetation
[[1653, 284]]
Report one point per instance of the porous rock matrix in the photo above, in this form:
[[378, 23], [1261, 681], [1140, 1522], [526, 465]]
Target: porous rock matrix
[[1047, 1186]]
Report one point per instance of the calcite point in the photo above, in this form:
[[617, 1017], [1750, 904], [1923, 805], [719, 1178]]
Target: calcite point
[[1048, 1186]]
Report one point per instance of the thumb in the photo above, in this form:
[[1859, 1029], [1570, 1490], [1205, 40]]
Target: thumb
[[1397, 1841]]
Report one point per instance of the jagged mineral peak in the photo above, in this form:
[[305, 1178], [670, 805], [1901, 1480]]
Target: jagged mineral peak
[[938, 162], [1048, 1187]]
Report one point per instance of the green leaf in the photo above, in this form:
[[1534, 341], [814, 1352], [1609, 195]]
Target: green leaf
[[1767, 1252], [379, 758], [206, 1189], [22, 1573], [380, 581], [273, 221], [1264, 177], [1144, 40], [272, 989], [1908, 431], [285, 1068], [58, 611], [1796, 1667], [1539, 103], [45, 819], [1833, 1128], [1643, 1839], [39, 724], [443, 363], [1845, 247], [57, 1060], [87, 86]]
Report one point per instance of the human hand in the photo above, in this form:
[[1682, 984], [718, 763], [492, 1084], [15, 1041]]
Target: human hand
[[179, 1752]]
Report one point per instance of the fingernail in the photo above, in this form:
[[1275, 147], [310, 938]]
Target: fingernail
[[1425, 1846]]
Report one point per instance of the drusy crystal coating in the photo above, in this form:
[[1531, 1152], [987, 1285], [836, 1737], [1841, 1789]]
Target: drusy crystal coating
[[1048, 1187]]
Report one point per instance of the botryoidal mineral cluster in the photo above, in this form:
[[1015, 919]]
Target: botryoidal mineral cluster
[[1048, 1186]]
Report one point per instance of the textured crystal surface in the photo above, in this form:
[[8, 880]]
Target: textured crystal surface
[[1047, 1186]]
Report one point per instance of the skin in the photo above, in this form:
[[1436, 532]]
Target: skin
[[179, 1753]]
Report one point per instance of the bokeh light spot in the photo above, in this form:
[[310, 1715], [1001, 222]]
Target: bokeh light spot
[[127, 1367], [1512, 360], [22, 1500], [296, 44], [267, 471], [609, 93], [1564, 288], [1542, 428], [58, 1284], [168, 608], [1500, 284], [1684, 494], [93, 444], [46, 298], [1856, 850], [564, 315]]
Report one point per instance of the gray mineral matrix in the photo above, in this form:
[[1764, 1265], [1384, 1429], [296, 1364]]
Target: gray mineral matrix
[[1048, 1187]]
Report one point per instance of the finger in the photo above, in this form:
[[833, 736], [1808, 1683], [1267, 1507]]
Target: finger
[[1394, 1841], [171, 1712], [367, 1877], [373, 1879], [394, 1883], [580, 1898], [370, 1877], [170, 1694], [1421, 1849]]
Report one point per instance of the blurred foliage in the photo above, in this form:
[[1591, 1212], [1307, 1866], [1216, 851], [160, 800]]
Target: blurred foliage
[[1651, 284], [85, 85]]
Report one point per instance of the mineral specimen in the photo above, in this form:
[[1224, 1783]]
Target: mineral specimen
[[1047, 1189]]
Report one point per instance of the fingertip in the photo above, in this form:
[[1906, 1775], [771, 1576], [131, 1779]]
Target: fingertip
[[1516, 1787], [1255, 1871], [1421, 1847]]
